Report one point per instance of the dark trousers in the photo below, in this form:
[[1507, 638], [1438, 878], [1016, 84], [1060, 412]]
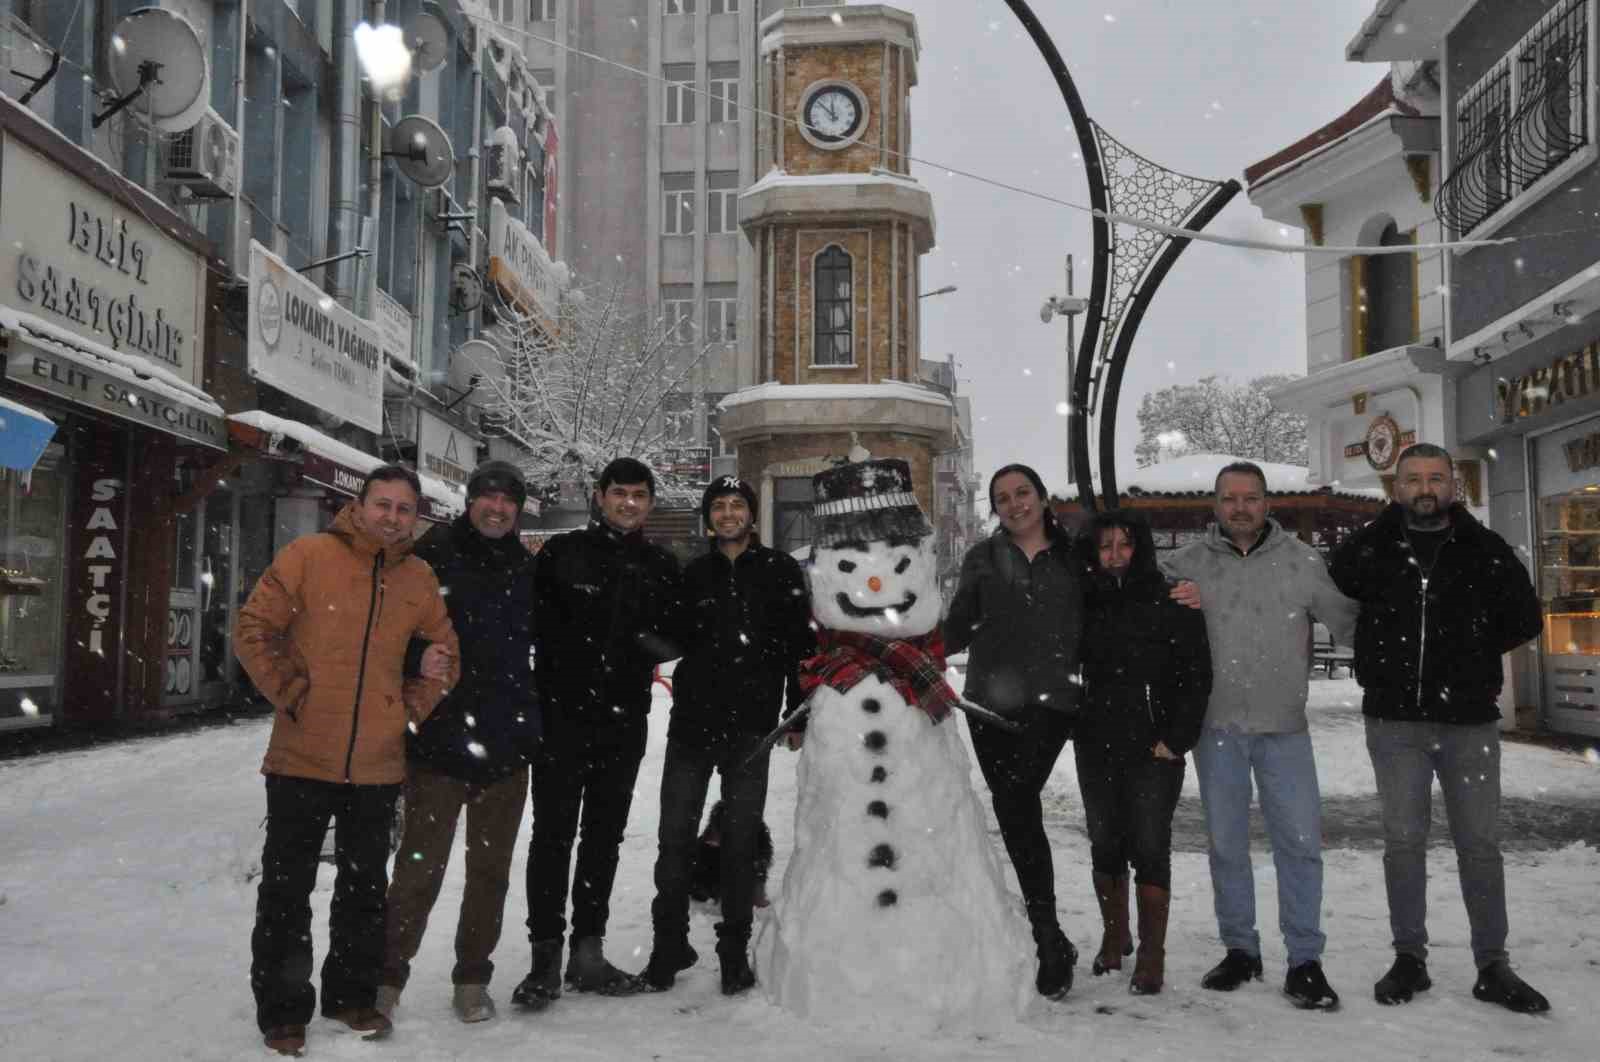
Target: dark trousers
[[583, 775], [1016, 766], [298, 810], [433, 805], [1128, 803], [685, 777]]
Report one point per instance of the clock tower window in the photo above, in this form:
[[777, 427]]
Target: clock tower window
[[832, 294]]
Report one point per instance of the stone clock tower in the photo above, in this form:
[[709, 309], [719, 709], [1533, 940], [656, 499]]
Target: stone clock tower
[[838, 228]]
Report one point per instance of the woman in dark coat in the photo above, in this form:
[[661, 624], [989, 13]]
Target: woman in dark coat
[[1018, 611], [1147, 677]]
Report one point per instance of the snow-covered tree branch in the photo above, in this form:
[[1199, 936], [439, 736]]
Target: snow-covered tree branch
[[1215, 415]]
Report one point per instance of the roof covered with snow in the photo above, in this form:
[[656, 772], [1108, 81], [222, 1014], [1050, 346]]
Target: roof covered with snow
[[1379, 104], [820, 392], [776, 178], [1197, 474]]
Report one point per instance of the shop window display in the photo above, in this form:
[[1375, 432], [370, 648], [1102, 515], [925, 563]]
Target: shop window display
[[32, 508]]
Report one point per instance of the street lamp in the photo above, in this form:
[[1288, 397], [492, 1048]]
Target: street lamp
[[947, 289], [1068, 307]]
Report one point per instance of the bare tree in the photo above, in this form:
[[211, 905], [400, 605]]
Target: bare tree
[[602, 380], [1216, 416]]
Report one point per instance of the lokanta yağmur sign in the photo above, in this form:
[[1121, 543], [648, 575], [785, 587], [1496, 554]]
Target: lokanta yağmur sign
[[305, 344]]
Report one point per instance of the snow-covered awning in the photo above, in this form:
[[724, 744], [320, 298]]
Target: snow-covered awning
[[24, 433], [129, 387], [336, 465], [1197, 474]]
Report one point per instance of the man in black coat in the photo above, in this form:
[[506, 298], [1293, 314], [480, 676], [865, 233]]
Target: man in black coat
[[473, 751], [1147, 680], [605, 602], [1443, 598], [747, 626]]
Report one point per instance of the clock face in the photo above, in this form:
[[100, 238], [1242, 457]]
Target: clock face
[[833, 113], [1383, 442]]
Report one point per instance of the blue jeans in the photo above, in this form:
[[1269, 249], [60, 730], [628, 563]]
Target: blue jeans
[[1286, 778], [1405, 757]]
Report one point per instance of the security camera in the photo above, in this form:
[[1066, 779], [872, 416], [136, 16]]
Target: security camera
[[1047, 312]]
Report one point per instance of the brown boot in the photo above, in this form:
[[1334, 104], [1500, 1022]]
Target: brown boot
[[1150, 969], [1115, 942]]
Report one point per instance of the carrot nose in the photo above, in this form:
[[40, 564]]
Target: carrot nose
[[874, 583]]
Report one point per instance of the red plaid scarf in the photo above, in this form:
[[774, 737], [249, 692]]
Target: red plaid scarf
[[914, 667]]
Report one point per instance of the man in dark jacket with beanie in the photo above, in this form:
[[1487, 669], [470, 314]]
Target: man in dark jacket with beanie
[[1443, 598], [473, 751], [747, 627], [607, 602]]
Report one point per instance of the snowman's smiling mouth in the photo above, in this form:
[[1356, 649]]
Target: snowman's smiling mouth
[[858, 612]]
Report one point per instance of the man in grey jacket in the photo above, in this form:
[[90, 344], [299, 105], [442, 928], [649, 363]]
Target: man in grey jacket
[[1262, 587]]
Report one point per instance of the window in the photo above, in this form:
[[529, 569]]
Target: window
[[1385, 296], [677, 313], [541, 10], [722, 202], [1524, 118], [678, 7], [723, 100], [832, 341], [793, 503], [724, 7], [677, 204], [722, 320], [678, 95]]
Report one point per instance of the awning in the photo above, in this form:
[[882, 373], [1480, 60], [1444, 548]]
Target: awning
[[39, 355], [338, 466], [24, 433]]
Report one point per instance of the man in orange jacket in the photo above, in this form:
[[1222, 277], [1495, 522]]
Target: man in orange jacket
[[323, 637]]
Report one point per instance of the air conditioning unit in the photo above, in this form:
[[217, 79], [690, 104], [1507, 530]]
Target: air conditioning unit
[[503, 165], [203, 158]]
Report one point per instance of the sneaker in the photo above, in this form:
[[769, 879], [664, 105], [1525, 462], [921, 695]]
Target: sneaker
[[1407, 977], [1498, 984], [388, 999], [1235, 969], [1308, 989], [287, 1040], [472, 1003]]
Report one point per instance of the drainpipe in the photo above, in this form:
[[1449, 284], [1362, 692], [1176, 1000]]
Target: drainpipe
[[240, 251], [345, 207], [474, 161], [369, 287]]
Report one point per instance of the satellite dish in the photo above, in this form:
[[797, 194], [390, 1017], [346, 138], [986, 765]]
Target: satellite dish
[[428, 40], [475, 367], [421, 150], [157, 58]]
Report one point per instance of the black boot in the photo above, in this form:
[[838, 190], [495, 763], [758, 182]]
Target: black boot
[[1056, 958], [1115, 940], [1498, 984], [542, 986], [588, 971], [1407, 977], [670, 955], [733, 951], [1235, 969]]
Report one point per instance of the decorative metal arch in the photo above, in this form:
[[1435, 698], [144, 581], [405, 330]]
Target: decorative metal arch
[[1129, 262]]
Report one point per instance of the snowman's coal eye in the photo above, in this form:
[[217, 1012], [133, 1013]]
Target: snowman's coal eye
[[900, 569], [847, 566]]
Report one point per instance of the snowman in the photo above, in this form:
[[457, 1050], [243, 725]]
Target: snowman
[[894, 912]]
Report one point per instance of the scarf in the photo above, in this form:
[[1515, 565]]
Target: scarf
[[914, 667]]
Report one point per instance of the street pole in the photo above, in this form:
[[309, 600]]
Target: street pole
[[1071, 347]]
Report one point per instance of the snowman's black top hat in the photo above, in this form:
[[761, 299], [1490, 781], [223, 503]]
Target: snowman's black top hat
[[866, 501]]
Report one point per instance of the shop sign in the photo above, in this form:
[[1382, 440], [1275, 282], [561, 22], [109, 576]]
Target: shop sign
[[394, 323], [76, 258], [304, 343], [519, 264], [1569, 376], [692, 463], [347, 481], [444, 450], [78, 381], [1583, 452], [96, 570]]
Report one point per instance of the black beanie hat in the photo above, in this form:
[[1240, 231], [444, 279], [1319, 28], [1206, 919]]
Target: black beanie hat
[[502, 476], [726, 485]]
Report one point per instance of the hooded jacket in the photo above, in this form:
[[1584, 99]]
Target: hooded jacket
[[1428, 644], [1259, 607], [323, 637], [1021, 623], [746, 625], [605, 607], [486, 727], [1146, 658]]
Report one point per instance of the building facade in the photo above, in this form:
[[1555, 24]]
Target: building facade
[[1508, 373]]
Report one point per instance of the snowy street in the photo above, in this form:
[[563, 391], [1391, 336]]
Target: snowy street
[[129, 879]]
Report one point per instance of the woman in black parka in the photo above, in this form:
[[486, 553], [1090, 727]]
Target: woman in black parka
[[1147, 677], [1018, 611]]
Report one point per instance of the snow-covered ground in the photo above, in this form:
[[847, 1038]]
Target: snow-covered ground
[[127, 888]]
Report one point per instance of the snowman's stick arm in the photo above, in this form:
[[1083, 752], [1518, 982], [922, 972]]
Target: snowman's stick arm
[[978, 711], [784, 726]]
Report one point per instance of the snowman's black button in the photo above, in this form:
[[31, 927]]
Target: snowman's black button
[[872, 705], [876, 740], [879, 774], [888, 898], [881, 856], [878, 809]]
